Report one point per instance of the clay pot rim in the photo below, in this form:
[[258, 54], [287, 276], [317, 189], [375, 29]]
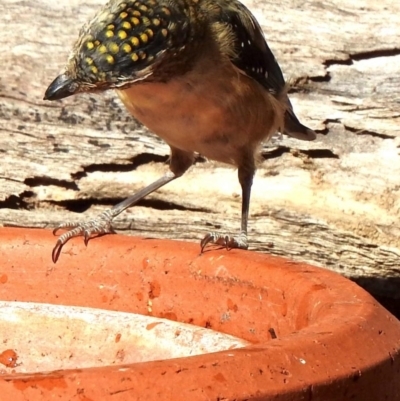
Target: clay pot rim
[[347, 310]]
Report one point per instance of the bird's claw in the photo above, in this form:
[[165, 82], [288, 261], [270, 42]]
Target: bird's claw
[[99, 226], [227, 241]]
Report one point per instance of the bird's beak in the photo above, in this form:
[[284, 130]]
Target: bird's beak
[[63, 86]]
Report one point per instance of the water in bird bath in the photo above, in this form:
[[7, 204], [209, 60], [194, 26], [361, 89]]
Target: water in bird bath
[[38, 337]]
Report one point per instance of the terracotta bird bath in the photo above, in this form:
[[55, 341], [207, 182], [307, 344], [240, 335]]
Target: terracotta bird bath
[[255, 326]]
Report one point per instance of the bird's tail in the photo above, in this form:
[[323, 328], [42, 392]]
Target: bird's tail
[[292, 126]]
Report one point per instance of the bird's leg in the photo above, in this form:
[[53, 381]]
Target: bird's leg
[[180, 161], [246, 174]]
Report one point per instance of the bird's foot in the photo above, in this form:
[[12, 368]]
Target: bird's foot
[[98, 226], [227, 241]]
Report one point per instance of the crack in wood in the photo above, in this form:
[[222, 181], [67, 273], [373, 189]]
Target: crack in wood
[[366, 55], [136, 161], [320, 78], [18, 202], [320, 153], [274, 153], [358, 131], [47, 181], [81, 205], [329, 62], [313, 153], [96, 142]]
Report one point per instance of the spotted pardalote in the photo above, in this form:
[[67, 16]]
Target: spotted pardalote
[[199, 74]]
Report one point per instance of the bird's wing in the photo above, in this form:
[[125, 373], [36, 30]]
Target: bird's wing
[[252, 56]]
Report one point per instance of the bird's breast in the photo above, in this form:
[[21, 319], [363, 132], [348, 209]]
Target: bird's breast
[[216, 115]]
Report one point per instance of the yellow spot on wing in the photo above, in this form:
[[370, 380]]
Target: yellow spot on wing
[[134, 57], [143, 7], [111, 26], [149, 32], [135, 41], [135, 21], [110, 59], [102, 49], [113, 47], [94, 69], [164, 32], [144, 38], [123, 15], [137, 13], [122, 35], [89, 45], [109, 34], [126, 48], [166, 11], [126, 25], [156, 21], [89, 60]]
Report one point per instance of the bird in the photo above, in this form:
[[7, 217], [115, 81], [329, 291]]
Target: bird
[[197, 73]]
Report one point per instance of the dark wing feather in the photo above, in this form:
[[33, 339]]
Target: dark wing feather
[[253, 56]]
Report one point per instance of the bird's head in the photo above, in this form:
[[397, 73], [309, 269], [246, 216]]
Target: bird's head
[[126, 42]]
